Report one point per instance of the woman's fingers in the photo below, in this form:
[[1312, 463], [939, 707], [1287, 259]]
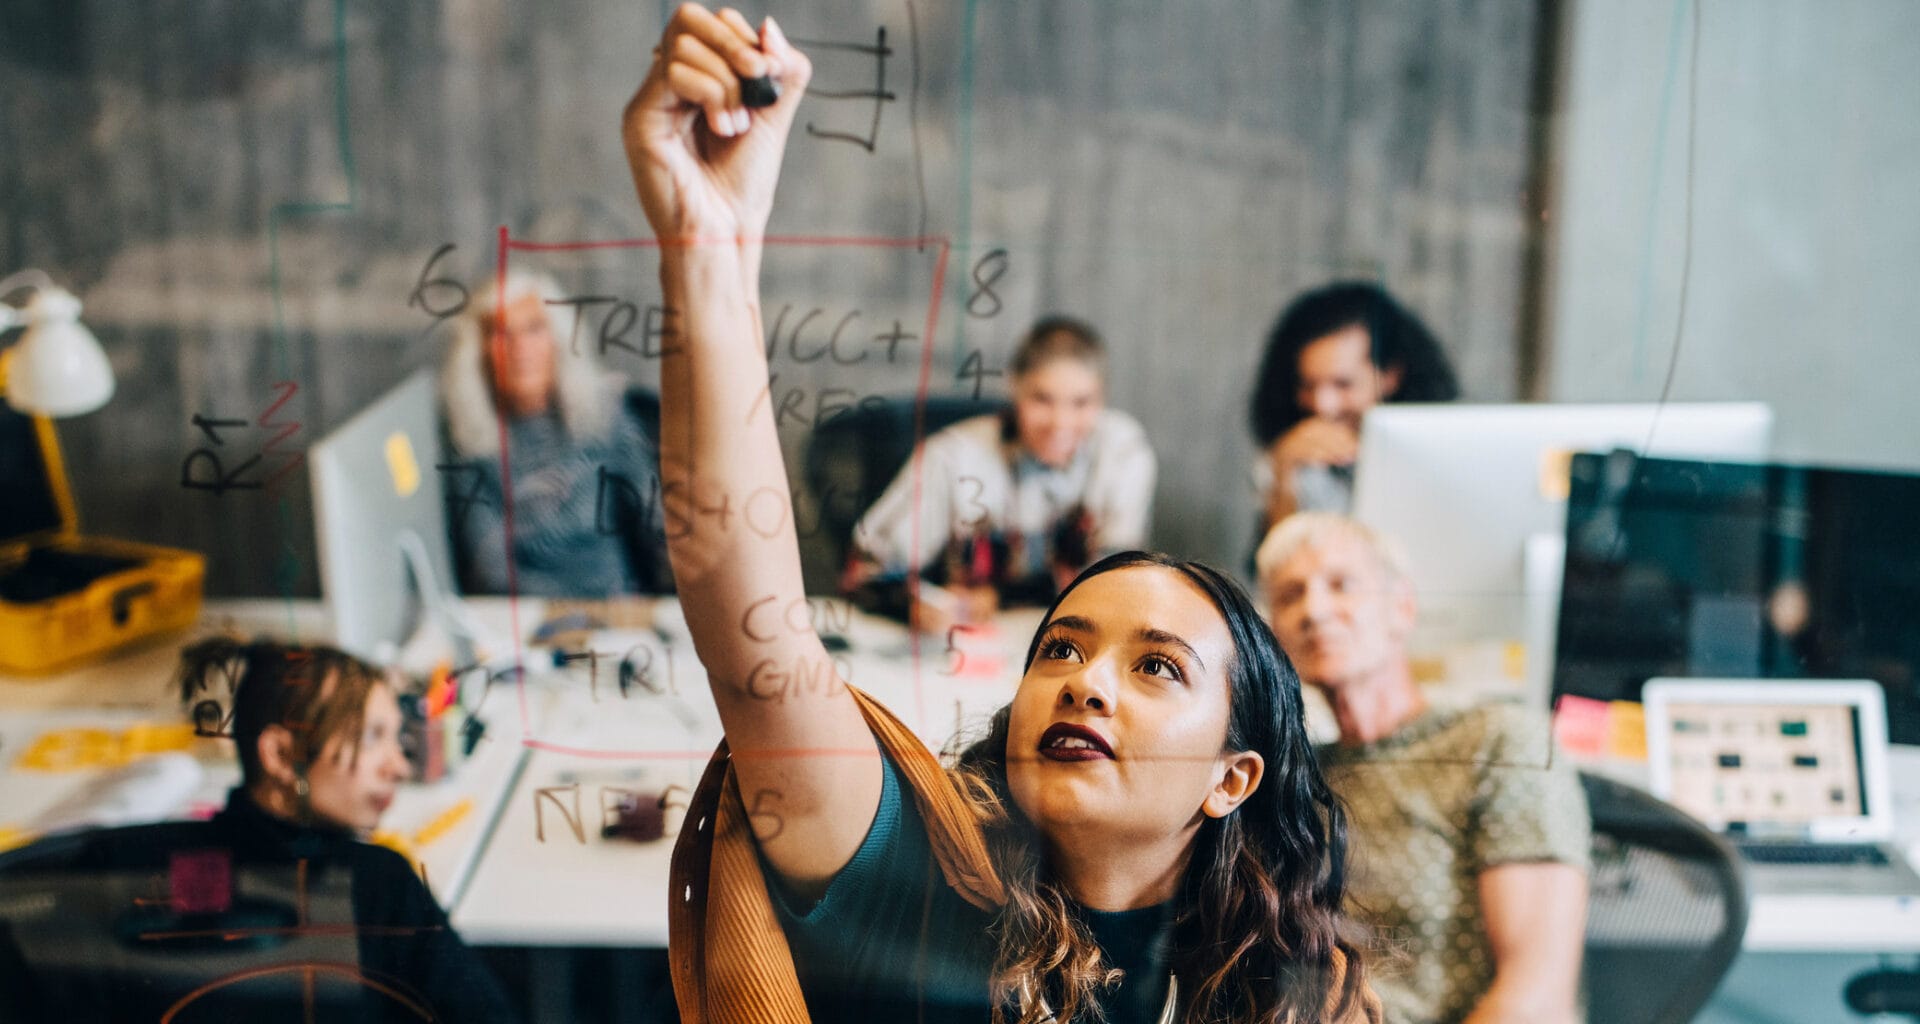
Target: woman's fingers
[[732, 37], [702, 90], [1318, 442], [738, 23], [788, 64], [702, 77], [723, 46], [697, 75], [1341, 443]]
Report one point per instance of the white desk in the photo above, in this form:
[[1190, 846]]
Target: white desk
[[544, 883], [503, 885], [1830, 924], [548, 878], [134, 686], [1850, 924]]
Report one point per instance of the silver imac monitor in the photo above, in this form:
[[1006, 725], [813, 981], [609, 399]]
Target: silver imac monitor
[[1476, 497], [380, 521]]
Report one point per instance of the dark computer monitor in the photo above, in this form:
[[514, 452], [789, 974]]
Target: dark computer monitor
[[1716, 569]]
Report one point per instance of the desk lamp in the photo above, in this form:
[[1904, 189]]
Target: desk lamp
[[58, 368]]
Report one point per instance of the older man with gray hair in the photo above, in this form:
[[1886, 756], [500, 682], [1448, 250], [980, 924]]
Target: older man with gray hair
[[1469, 835]]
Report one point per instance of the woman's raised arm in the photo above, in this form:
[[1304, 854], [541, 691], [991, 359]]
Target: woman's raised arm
[[706, 166]]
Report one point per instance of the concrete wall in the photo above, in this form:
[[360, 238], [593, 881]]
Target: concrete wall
[[1805, 215], [1172, 172]]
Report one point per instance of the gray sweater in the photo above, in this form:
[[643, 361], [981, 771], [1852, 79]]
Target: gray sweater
[[587, 520]]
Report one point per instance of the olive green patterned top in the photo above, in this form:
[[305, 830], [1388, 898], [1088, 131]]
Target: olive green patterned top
[[1454, 792]]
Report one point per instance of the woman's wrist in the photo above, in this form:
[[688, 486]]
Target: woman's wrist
[[725, 270], [750, 251]]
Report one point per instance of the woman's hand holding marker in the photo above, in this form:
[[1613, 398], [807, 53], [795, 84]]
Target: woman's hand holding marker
[[705, 133]]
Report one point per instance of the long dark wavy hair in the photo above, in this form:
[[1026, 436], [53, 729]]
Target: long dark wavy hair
[[1258, 914], [1397, 339]]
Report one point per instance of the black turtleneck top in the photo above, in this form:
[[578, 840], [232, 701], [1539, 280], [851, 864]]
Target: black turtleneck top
[[243, 917]]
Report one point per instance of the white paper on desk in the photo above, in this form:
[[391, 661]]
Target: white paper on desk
[[666, 700], [151, 788], [671, 621]]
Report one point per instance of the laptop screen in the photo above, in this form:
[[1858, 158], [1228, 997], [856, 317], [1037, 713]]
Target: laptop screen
[[1766, 768]]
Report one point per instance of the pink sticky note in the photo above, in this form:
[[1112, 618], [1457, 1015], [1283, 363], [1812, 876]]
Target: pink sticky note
[[973, 651], [1580, 725], [200, 881]]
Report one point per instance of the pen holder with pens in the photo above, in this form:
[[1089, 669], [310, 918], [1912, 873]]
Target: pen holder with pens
[[437, 732]]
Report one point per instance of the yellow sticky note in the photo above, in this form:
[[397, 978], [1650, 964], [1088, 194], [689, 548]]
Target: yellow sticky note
[[1430, 669], [443, 823], [157, 739], [69, 750], [401, 465], [1626, 730], [1556, 474], [1513, 661]]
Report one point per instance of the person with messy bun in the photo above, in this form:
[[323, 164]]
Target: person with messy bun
[[317, 731]]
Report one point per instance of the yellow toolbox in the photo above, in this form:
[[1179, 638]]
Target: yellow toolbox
[[64, 598]]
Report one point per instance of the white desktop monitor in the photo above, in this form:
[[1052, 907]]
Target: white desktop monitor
[[380, 520], [1463, 488]]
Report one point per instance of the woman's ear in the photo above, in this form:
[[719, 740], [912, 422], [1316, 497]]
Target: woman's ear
[[1403, 608], [277, 760], [1390, 378], [1242, 776]]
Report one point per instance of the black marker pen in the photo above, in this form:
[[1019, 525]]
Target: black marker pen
[[759, 92]]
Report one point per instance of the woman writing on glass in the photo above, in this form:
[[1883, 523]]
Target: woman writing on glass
[[1143, 835]]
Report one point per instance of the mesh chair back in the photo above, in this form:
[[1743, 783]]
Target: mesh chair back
[[1666, 912]]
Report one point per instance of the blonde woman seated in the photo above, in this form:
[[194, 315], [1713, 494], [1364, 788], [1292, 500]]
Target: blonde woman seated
[[1012, 505], [586, 513], [1142, 836]]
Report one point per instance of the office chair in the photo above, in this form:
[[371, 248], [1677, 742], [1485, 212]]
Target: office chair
[[1666, 912], [644, 405], [852, 457], [1884, 990]]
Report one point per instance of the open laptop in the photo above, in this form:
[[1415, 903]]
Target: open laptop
[[1793, 773]]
